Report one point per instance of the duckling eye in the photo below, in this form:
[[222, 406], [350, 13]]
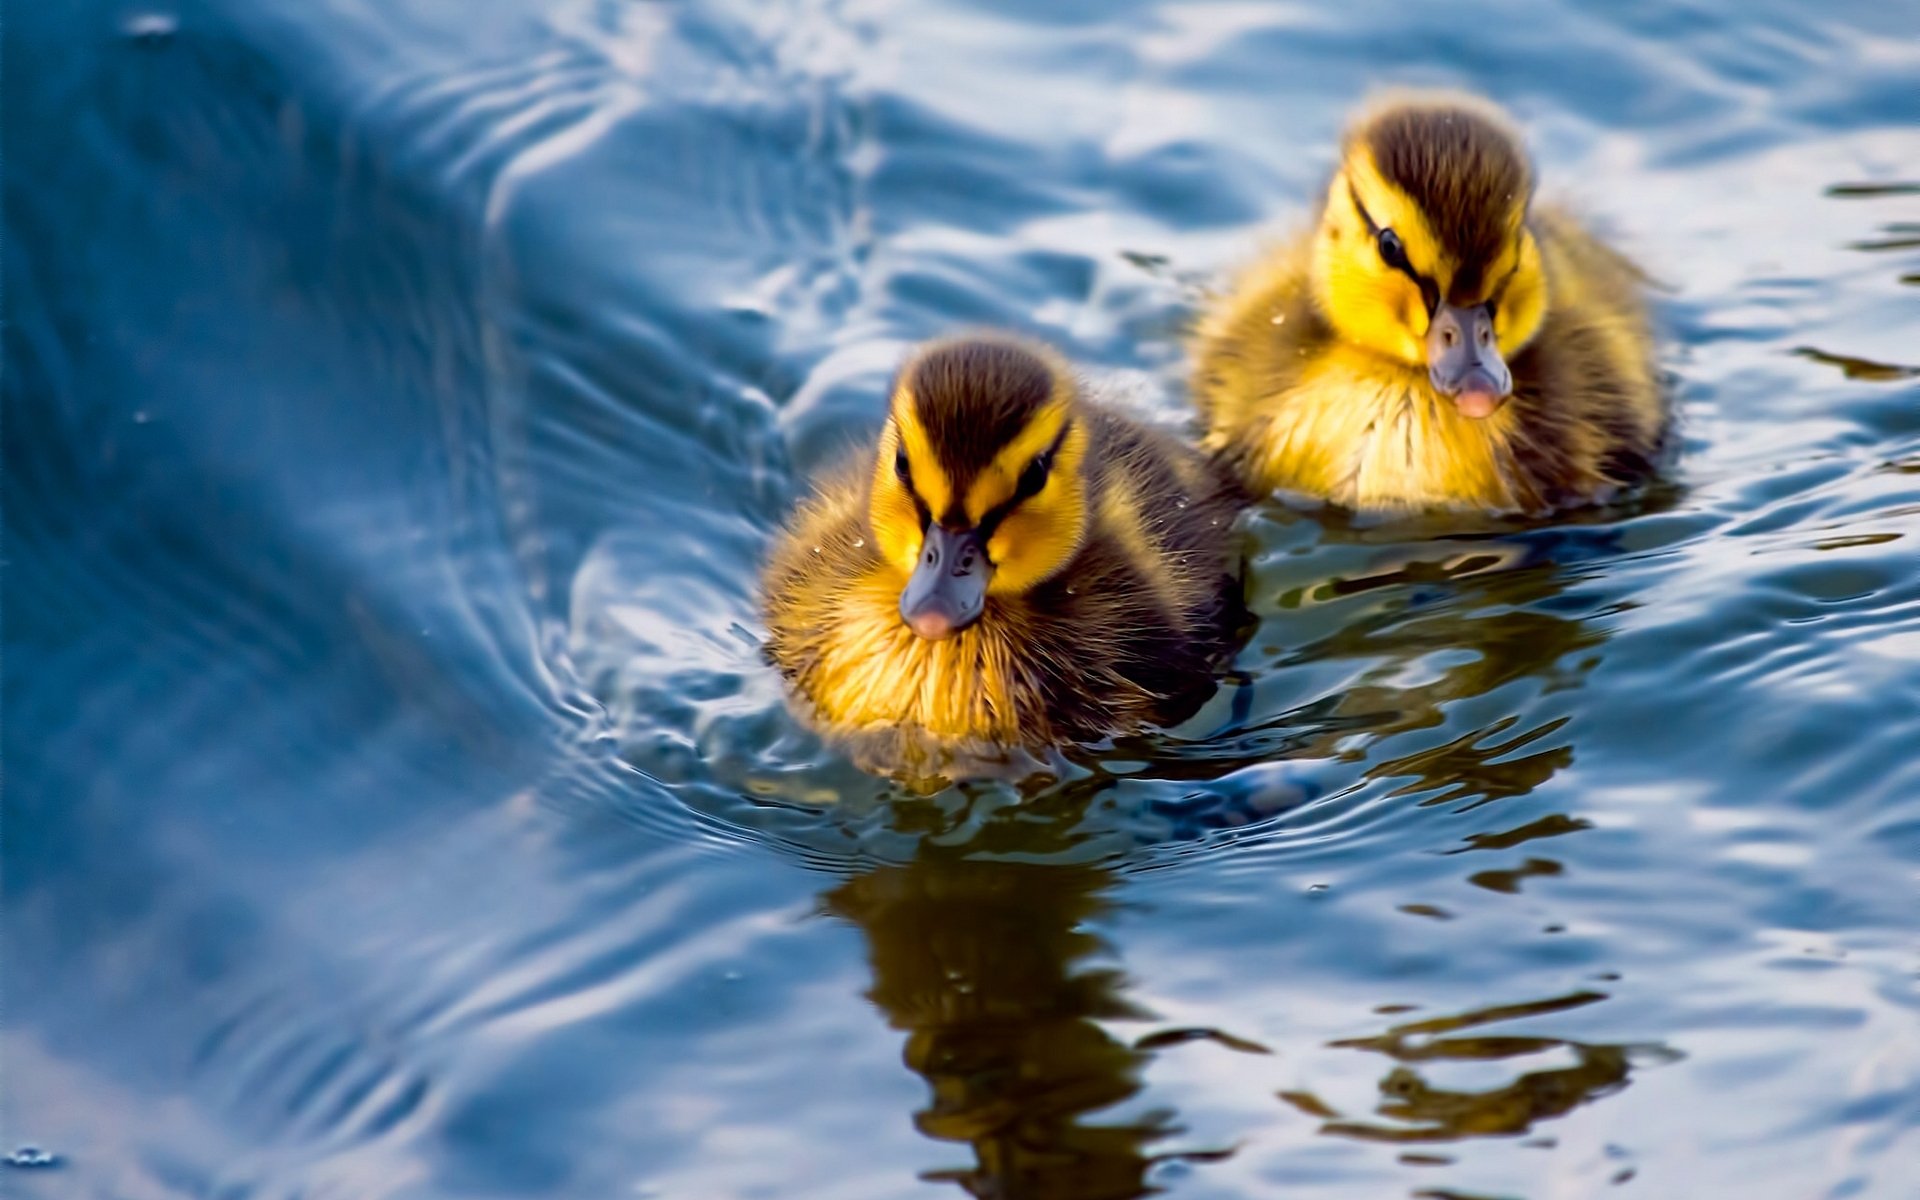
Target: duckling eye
[[900, 466], [1035, 476], [1392, 252]]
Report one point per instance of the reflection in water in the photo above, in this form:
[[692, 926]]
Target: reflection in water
[[1439, 633], [1416, 1111], [1854, 191], [1494, 628], [1895, 235], [986, 967], [1855, 367], [1400, 633], [1479, 767], [1551, 825], [1508, 880]]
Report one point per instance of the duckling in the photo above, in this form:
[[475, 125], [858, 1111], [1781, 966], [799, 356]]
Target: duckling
[[1016, 566], [1436, 342]]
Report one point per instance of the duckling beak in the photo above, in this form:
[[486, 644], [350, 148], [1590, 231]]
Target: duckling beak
[[1463, 360], [948, 588]]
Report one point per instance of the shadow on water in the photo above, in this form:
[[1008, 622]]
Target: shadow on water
[[1003, 992]]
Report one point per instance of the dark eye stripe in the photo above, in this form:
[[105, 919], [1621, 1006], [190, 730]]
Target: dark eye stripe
[[1500, 292], [903, 470], [1429, 290], [1034, 477], [1032, 480]]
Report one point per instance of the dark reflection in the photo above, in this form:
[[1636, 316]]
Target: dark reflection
[[1864, 369], [1895, 235], [1413, 1110], [1551, 825], [1508, 880], [989, 970], [1431, 620], [1854, 191], [1449, 631], [1496, 632]]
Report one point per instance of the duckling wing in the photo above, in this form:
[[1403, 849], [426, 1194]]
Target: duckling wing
[[1594, 416]]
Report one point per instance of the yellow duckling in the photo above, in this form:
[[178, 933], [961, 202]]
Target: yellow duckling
[[1435, 343], [1017, 566]]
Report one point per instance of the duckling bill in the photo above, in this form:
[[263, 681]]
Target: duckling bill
[[1437, 341], [1014, 565]]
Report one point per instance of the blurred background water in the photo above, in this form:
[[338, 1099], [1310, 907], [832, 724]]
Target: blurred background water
[[399, 395]]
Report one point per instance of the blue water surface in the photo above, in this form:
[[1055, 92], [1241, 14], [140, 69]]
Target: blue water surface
[[400, 394]]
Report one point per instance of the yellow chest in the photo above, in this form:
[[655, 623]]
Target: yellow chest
[[872, 672], [1372, 436]]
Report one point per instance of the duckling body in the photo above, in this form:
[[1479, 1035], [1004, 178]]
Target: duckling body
[[1435, 342], [1111, 593]]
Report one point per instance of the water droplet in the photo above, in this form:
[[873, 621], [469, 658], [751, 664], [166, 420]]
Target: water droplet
[[32, 1156], [859, 542], [1279, 318], [816, 549], [1318, 889]]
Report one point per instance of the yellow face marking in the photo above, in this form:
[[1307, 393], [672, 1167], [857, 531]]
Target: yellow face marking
[[1497, 271], [1031, 542], [1377, 306], [1393, 209], [996, 484], [1523, 305], [891, 512], [928, 479], [1037, 538], [1370, 303]]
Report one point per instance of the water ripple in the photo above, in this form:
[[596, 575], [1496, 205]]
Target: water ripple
[[401, 397]]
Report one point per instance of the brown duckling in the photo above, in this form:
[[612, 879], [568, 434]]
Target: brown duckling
[[1011, 565], [1437, 341]]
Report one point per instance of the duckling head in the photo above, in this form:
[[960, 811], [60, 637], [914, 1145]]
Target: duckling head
[[978, 488], [1423, 252]]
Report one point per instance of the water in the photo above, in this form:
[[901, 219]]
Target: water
[[399, 397]]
